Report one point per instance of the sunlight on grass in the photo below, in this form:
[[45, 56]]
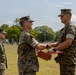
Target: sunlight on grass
[[46, 67]]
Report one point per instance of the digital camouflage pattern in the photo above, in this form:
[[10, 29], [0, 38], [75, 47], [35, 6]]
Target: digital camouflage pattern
[[2, 72], [3, 60], [27, 59], [67, 60], [67, 70], [69, 57], [24, 72]]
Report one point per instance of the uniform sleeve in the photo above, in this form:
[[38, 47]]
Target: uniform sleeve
[[71, 36], [70, 32], [34, 43], [30, 40]]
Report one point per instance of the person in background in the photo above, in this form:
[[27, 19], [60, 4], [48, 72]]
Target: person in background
[[3, 59]]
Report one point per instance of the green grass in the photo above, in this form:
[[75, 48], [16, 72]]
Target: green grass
[[46, 67]]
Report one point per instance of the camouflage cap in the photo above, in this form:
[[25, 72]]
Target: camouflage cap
[[2, 31], [25, 18], [65, 11]]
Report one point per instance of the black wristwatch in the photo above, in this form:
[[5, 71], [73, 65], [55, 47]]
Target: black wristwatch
[[54, 49], [47, 46]]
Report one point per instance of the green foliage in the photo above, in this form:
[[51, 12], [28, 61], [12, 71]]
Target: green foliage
[[34, 33], [57, 35], [4, 26], [41, 33], [13, 32], [45, 33], [16, 21]]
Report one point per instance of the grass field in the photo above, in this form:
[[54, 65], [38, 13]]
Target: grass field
[[46, 67]]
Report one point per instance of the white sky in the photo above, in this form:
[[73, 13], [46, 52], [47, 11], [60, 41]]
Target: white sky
[[43, 12]]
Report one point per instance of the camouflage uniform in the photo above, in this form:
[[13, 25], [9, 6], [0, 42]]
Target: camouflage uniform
[[3, 60], [67, 70], [67, 60], [27, 59]]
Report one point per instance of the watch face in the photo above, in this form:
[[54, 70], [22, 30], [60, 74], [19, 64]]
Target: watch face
[[54, 50]]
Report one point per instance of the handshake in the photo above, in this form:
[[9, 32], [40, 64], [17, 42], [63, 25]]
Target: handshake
[[47, 55]]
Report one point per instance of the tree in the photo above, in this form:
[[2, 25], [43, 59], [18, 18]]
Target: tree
[[34, 33], [13, 32], [16, 21], [45, 33], [5, 26], [57, 35]]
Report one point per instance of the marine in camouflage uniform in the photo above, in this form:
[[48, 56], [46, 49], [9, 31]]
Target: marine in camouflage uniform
[[3, 60], [27, 59], [67, 60]]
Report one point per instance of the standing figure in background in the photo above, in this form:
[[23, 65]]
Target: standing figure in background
[[3, 59]]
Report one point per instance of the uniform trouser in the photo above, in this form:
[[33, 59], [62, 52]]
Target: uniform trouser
[[2, 72], [67, 70], [27, 72]]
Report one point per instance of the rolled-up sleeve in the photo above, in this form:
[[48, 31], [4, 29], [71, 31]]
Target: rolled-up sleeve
[[30, 40], [34, 43], [70, 32], [71, 36]]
